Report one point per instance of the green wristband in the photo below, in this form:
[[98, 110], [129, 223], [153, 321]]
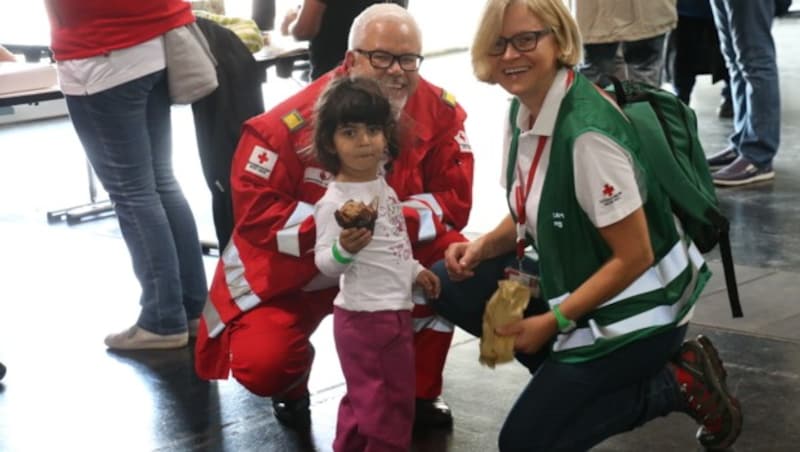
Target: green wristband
[[565, 325], [337, 255]]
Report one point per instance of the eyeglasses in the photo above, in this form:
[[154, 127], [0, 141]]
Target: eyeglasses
[[521, 42], [380, 59]]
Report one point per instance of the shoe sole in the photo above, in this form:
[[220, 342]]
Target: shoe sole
[[716, 361], [714, 168], [712, 366], [151, 345], [734, 183]]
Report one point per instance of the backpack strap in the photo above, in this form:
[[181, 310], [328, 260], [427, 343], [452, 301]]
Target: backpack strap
[[728, 270]]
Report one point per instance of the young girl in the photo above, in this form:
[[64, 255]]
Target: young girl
[[354, 139]]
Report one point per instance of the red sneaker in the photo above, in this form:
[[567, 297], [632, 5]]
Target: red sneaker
[[701, 377]]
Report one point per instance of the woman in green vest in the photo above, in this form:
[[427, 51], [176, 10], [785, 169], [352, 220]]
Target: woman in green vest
[[616, 277]]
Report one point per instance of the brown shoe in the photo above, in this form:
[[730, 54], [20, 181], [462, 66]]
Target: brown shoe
[[701, 377], [136, 338]]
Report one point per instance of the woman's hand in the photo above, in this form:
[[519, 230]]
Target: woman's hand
[[531, 332], [354, 240], [461, 258], [430, 283]]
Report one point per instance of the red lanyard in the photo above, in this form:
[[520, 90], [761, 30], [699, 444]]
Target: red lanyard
[[522, 192], [521, 195]]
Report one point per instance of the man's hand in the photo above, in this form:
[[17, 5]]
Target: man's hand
[[430, 283], [354, 240]]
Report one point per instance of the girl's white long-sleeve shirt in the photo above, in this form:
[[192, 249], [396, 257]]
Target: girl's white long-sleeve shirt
[[380, 276]]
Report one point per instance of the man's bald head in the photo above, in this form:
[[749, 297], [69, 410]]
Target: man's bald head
[[381, 13]]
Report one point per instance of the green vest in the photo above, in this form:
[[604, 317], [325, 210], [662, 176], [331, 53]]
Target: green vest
[[571, 249]]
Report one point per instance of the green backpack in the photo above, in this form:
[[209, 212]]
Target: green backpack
[[670, 129]]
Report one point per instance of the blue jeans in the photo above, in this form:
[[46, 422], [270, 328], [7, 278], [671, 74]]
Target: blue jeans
[[644, 60], [744, 33], [126, 133], [570, 407]]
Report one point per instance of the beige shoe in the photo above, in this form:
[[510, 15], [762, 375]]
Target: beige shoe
[[135, 338], [194, 325]]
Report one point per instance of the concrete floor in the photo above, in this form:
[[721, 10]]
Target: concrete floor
[[66, 287]]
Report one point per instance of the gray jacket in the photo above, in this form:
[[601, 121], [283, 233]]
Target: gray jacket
[[602, 21]]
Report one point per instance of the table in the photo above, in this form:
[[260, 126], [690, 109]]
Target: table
[[285, 63], [92, 210]]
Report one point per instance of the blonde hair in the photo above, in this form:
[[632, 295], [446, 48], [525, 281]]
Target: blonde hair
[[380, 11], [553, 14]]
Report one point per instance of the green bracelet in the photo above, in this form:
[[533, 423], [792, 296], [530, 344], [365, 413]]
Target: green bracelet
[[337, 255], [565, 325]]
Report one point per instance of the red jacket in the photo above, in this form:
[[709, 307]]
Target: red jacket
[[86, 28], [275, 183]]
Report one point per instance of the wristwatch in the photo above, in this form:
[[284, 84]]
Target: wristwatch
[[565, 325]]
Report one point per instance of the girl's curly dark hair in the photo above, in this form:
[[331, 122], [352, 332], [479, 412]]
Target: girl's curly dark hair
[[351, 100]]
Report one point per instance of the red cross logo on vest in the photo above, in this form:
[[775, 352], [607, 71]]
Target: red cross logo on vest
[[262, 158], [608, 190]]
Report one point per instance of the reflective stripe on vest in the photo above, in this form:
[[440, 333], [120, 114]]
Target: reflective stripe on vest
[[238, 286], [426, 206], [289, 236], [434, 323], [213, 323], [657, 277]]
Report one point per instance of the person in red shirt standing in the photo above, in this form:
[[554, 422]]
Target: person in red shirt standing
[[267, 296], [111, 67]]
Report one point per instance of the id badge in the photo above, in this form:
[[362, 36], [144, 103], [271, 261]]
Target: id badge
[[527, 279]]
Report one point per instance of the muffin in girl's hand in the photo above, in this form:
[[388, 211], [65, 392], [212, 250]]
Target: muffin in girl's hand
[[356, 214]]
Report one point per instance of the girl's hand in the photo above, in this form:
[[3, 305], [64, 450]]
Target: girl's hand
[[354, 240], [531, 332], [430, 283], [461, 258]]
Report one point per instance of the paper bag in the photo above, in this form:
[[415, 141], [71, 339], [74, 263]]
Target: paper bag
[[506, 306]]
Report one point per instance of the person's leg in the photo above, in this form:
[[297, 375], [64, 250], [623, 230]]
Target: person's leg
[[432, 338], [113, 127], [599, 61], [179, 214], [270, 351], [721, 9], [376, 353], [749, 50], [683, 55], [263, 14], [751, 38], [645, 59], [464, 302], [347, 436], [560, 408]]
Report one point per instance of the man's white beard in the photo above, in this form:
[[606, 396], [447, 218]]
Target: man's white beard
[[398, 105]]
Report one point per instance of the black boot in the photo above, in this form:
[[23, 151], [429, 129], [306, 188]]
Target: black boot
[[432, 413], [293, 413]]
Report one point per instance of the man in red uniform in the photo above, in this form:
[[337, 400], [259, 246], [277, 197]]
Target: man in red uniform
[[267, 297]]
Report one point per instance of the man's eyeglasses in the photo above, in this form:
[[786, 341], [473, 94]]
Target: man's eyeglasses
[[380, 59], [521, 42]]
